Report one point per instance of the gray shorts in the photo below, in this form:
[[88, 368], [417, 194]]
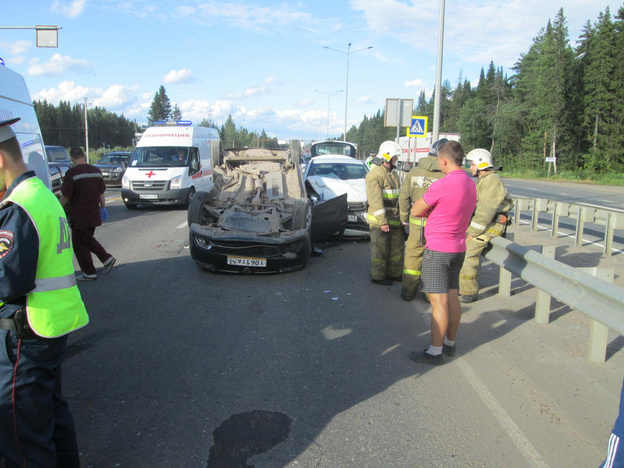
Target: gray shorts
[[440, 271]]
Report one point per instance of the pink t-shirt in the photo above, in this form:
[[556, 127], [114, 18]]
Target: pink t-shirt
[[452, 200]]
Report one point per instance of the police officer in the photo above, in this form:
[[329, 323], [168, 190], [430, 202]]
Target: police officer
[[415, 185], [39, 305], [489, 220], [386, 233]]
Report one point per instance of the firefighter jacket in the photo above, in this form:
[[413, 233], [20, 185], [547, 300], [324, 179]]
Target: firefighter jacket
[[492, 200], [416, 183], [54, 307], [382, 191]]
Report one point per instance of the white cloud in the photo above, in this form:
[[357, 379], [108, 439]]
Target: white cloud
[[71, 10], [417, 83], [58, 65], [179, 76], [114, 98], [269, 80], [363, 100], [246, 15], [17, 47]]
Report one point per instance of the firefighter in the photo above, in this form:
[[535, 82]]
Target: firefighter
[[489, 220], [415, 185], [386, 232]]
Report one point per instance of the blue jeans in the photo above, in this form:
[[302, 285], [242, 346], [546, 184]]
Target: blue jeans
[[36, 427]]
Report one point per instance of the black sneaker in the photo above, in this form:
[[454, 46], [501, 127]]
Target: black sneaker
[[109, 264], [383, 282], [425, 358], [449, 350], [468, 298]]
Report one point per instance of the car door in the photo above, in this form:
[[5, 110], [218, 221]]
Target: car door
[[329, 217]]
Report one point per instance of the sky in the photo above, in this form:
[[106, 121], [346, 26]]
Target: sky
[[273, 66]]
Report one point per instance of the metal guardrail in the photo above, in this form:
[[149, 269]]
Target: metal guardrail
[[601, 301], [610, 219]]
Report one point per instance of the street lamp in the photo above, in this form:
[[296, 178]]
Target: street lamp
[[328, 97], [438, 86], [347, 53]]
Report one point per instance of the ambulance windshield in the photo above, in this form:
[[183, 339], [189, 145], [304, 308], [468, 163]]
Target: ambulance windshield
[[162, 156]]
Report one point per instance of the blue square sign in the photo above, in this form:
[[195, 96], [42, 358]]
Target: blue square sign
[[418, 127]]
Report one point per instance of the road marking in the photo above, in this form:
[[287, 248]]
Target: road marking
[[183, 225], [584, 241], [513, 431], [114, 198]]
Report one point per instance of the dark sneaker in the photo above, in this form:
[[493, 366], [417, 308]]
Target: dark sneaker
[[109, 264], [425, 358], [85, 277], [383, 282], [468, 298], [449, 350]]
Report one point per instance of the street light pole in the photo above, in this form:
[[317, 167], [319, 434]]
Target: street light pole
[[438, 86], [347, 53], [86, 104], [328, 97]]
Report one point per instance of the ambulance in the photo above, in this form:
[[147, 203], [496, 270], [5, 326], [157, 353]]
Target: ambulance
[[171, 163], [15, 102]]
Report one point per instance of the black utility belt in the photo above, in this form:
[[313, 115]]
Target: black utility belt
[[19, 324]]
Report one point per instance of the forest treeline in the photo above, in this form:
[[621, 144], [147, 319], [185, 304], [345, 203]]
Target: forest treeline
[[561, 100]]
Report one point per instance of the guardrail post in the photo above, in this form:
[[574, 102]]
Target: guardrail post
[[555, 222], [542, 303], [608, 239], [504, 276], [516, 215], [580, 226], [535, 216], [598, 333]]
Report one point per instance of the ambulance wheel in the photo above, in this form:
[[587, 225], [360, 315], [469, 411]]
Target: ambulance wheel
[[189, 198], [131, 206]]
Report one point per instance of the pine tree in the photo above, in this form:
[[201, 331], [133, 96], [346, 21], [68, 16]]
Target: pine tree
[[160, 108], [176, 113]]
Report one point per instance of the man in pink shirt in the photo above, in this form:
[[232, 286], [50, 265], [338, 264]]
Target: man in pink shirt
[[448, 206]]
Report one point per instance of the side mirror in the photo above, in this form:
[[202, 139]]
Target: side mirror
[[195, 166]]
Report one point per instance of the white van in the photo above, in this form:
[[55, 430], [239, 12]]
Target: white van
[[15, 102], [171, 163]]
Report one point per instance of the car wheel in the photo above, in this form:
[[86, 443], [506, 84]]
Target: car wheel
[[131, 206], [196, 208], [216, 157], [189, 198], [302, 214], [295, 152]]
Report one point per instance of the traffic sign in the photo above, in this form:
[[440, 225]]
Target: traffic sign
[[418, 127]]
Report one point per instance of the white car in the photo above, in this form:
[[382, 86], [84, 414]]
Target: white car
[[327, 177]]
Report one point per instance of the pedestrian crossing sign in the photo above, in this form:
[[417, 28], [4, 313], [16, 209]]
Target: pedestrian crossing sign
[[419, 126]]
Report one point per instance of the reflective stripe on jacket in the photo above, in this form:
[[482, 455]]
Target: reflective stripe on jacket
[[54, 308], [492, 198], [382, 192]]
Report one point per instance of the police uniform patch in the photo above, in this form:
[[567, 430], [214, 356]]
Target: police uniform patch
[[6, 242]]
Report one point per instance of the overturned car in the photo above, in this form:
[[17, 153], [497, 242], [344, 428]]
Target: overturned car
[[257, 218]]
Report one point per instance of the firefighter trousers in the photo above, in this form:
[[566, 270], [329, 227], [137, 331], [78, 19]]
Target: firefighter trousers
[[469, 274], [386, 252], [413, 263]]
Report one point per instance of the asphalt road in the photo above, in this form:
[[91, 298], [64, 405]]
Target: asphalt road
[[184, 368]]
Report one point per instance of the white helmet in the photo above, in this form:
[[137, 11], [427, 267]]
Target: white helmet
[[481, 158], [388, 150]]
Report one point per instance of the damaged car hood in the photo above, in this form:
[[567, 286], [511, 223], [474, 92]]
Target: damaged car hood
[[330, 187]]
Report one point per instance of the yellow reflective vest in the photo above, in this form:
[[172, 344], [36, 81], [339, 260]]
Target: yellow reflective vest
[[382, 192], [54, 308]]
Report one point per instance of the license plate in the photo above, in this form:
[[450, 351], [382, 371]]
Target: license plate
[[149, 197], [247, 261], [352, 218]]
